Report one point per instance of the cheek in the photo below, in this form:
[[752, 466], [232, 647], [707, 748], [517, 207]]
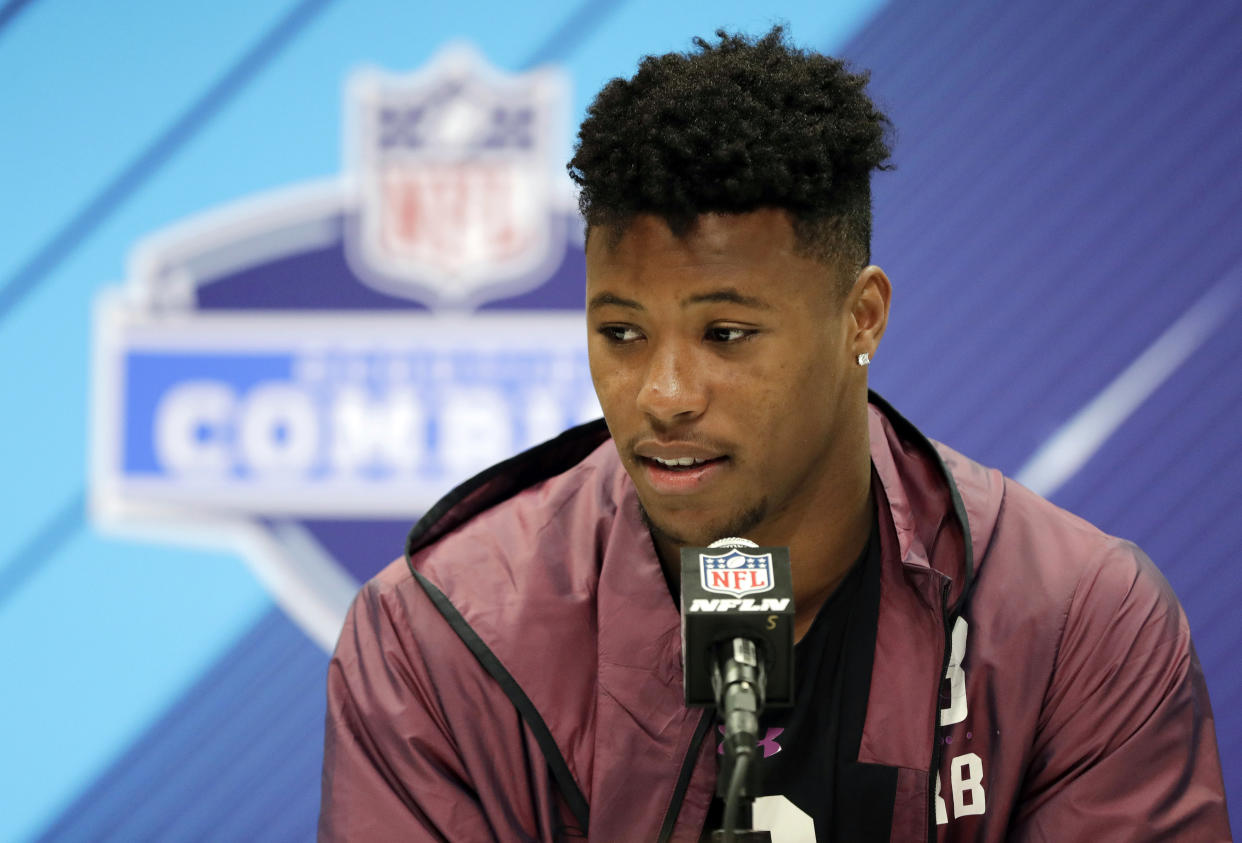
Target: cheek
[[795, 377], [596, 363], [610, 382], [800, 401]]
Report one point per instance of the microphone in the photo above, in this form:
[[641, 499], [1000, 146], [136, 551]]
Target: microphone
[[737, 630]]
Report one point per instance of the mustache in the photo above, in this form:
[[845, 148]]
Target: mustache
[[694, 440]]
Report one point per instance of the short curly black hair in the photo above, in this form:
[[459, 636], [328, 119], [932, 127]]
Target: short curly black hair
[[733, 127]]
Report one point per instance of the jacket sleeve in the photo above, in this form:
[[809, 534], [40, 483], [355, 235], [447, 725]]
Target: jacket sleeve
[[390, 768], [1126, 747]]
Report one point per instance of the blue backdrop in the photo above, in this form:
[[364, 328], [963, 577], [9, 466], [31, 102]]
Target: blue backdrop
[[1061, 230]]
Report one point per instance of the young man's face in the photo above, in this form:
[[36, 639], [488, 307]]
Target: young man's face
[[725, 363]]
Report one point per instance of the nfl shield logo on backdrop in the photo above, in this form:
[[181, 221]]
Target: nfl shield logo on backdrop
[[453, 171], [297, 375], [736, 573]]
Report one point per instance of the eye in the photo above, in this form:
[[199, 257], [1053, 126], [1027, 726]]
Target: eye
[[727, 335], [620, 333]]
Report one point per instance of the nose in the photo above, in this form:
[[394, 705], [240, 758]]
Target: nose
[[673, 389]]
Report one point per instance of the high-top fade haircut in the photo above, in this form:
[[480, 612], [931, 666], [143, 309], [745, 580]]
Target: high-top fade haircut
[[733, 127]]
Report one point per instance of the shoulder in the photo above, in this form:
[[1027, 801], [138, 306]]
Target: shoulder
[[1064, 607], [488, 557], [545, 539], [1059, 556], [1121, 693], [509, 574], [1058, 606]]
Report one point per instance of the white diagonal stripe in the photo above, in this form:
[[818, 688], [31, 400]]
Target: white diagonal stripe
[[1076, 441], [303, 578]]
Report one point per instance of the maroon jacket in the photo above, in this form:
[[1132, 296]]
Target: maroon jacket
[[518, 676]]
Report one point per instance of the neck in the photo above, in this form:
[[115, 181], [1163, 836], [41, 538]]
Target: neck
[[820, 564]]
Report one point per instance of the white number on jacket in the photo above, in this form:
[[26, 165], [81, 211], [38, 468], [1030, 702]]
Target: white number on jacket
[[966, 770]]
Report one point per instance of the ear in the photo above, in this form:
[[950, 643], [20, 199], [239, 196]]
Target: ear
[[868, 306]]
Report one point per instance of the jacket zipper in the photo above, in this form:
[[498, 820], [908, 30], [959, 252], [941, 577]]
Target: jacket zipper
[[935, 760], [687, 771]]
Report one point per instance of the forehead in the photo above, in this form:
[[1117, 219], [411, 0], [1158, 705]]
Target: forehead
[[709, 239], [755, 250]]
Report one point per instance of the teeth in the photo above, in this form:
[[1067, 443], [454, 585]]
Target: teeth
[[679, 461]]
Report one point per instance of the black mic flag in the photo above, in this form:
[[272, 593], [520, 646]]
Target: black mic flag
[[735, 590]]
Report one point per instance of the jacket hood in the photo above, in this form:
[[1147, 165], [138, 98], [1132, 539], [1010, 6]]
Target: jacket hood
[[504, 480], [944, 505]]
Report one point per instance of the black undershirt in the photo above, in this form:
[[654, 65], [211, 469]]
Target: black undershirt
[[809, 749]]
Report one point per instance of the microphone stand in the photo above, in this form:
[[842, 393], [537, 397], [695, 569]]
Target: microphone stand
[[739, 679], [738, 816]]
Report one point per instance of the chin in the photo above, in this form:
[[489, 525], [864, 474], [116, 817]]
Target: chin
[[700, 529]]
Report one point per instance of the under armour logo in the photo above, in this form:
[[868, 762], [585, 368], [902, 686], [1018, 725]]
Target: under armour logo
[[768, 741]]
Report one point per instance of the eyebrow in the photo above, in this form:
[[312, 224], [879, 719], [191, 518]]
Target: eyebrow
[[727, 295], [605, 299]]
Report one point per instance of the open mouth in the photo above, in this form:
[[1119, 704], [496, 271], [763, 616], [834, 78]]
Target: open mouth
[[681, 463], [681, 475]]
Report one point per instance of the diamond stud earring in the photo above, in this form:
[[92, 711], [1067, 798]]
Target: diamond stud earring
[[864, 359]]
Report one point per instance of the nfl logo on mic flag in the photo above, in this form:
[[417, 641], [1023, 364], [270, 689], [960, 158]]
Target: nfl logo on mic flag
[[736, 573]]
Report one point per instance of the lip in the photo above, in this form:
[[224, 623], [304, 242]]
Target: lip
[[681, 481], [673, 450]]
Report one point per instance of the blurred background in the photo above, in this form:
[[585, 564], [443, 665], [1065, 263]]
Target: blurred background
[[277, 274]]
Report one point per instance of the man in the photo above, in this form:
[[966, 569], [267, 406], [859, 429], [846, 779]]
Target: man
[[973, 663]]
